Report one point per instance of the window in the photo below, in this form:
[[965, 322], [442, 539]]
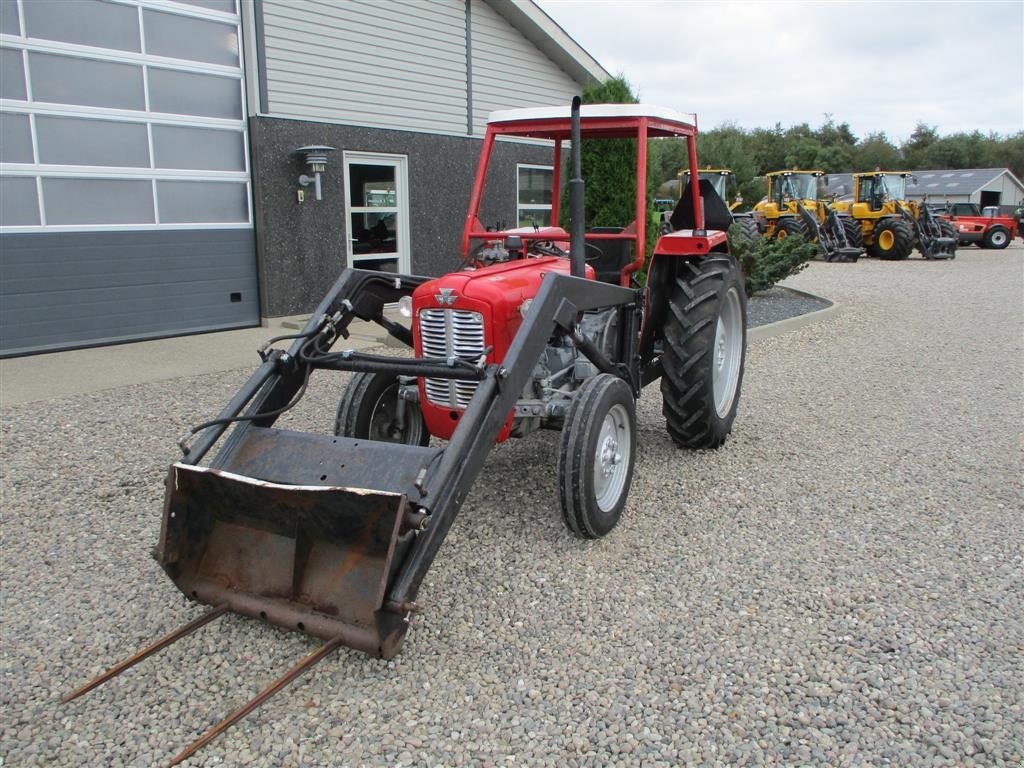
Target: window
[[534, 195], [120, 116]]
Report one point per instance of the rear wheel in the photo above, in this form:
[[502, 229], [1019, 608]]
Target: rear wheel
[[893, 240], [371, 409], [997, 237], [705, 340], [595, 464], [790, 228]]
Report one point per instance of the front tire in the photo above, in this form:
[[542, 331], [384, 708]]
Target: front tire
[[790, 228], [893, 240], [595, 464], [854, 234], [369, 409], [705, 345]]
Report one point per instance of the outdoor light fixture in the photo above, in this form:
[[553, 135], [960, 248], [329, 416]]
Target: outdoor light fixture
[[315, 156]]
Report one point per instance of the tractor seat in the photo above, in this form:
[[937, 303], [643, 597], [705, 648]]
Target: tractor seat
[[615, 254], [716, 212]]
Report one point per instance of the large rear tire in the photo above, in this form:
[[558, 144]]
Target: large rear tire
[[705, 346], [893, 240], [369, 410], [595, 464]]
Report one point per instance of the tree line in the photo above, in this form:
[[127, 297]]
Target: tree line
[[834, 148]]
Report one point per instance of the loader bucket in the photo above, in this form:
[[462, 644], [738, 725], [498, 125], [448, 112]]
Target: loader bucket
[[313, 556]]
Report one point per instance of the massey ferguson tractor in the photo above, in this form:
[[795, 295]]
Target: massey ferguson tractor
[[537, 328]]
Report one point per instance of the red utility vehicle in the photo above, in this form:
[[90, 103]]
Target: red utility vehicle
[[985, 228]]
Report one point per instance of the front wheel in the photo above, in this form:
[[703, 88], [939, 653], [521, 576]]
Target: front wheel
[[790, 228], [893, 240], [372, 409], [705, 348], [595, 464]]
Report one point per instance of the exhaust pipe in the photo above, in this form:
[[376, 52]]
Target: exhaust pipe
[[576, 185]]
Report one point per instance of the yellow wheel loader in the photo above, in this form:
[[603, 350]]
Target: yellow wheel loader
[[892, 226], [793, 208]]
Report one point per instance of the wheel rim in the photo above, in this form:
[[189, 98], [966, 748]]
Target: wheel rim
[[886, 239], [998, 238], [728, 349], [611, 458], [382, 420]]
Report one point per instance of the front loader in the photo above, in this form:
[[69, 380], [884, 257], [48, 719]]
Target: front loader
[[332, 534], [793, 208]]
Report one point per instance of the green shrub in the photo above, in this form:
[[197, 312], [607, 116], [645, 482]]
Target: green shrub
[[766, 262]]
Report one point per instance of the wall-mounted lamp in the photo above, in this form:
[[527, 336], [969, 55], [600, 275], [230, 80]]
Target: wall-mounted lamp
[[315, 156]]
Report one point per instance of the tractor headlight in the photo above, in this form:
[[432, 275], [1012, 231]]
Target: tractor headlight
[[405, 306], [524, 308]]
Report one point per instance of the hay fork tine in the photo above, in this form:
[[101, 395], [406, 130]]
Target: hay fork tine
[[262, 696], [149, 650]]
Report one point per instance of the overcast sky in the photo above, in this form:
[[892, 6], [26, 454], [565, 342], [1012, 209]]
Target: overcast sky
[[879, 66]]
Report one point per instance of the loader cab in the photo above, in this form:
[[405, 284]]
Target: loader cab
[[877, 189], [786, 187]]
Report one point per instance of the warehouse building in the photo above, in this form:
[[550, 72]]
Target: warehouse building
[[159, 170]]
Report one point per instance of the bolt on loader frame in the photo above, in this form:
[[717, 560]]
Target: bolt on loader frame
[[332, 535]]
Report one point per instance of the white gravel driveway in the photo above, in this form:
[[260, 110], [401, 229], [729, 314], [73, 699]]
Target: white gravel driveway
[[841, 584]]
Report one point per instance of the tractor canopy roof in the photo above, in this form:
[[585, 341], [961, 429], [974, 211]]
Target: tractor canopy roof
[[604, 120]]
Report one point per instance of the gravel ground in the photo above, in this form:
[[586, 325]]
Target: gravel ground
[[841, 584]]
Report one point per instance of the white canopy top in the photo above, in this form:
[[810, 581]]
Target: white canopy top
[[595, 111]]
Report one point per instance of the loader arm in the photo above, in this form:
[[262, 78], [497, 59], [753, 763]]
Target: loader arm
[[333, 535]]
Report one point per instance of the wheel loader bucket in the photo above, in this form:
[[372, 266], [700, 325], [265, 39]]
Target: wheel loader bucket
[[316, 558]]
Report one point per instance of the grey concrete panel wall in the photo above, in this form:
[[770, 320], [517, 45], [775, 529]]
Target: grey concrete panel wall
[[301, 246], [74, 289]]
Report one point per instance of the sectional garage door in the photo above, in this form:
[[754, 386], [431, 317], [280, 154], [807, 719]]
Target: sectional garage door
[[125, 205]]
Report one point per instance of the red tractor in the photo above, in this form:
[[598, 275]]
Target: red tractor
[[540, 328], [985, 228]]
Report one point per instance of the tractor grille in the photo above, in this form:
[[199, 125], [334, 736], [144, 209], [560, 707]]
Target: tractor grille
[[451, 333]]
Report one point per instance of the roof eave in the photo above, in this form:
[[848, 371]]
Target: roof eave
[[541, 30]]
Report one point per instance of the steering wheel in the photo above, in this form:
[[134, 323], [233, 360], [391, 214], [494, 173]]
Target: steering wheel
[[591, 252], [547, 248]]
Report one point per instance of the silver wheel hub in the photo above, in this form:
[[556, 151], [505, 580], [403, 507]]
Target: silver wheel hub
[[611, 458], [728, 353]]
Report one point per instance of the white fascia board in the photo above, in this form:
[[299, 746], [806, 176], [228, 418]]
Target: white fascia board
[[541, 30]]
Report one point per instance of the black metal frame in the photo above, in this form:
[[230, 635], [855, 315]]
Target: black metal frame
[[444, 483]]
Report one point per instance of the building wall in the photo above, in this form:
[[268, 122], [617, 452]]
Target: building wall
[[1010, 193], [508, 70], [399, 64], [397, 77], [301, 246]]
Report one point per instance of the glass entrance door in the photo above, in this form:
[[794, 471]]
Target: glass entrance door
[[377, 212]]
